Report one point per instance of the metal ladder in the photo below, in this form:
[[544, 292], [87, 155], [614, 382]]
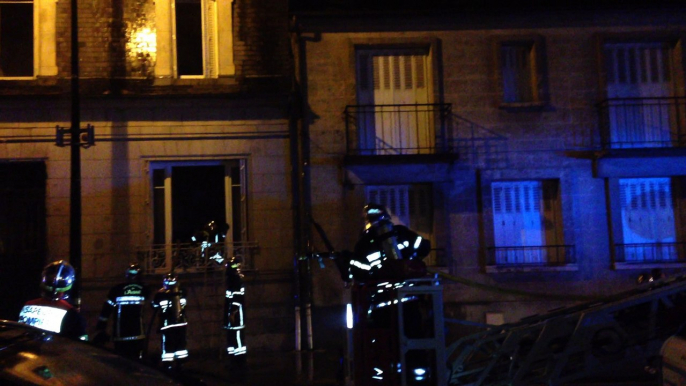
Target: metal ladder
[[617, 333]]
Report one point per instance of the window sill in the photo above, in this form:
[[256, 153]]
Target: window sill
[[628, 266], [523, 106], [530, 268]]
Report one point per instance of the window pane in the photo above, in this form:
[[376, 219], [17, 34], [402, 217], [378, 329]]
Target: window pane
[[16, 39], [189, 39], [197, 198], [516, 72]]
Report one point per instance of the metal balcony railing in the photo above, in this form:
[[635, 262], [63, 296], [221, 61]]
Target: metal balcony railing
[[642, 122], [545, 255], [398, 129], [650, 253], [161, 258]]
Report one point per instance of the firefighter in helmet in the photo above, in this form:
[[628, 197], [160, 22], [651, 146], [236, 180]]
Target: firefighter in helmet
[[385, 251], [52, 312], [385, 256], [170, 301], [127, 300], [233, 311]]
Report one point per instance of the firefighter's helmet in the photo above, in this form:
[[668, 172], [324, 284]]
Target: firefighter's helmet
[[170, 281], [133, 272], [57, 278]]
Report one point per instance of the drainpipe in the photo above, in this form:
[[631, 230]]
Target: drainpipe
[[300, 162], [295, 122], [75, 146]]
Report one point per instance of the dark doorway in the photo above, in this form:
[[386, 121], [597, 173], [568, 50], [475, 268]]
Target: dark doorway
[[22, 234]]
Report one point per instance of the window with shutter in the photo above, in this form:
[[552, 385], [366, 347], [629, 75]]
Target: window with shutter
[[634, 71], [411, 205], [647, 214], [191, 42], [393, 83], [526, 220]]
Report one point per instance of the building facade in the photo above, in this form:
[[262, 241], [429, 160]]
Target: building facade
[[538, 147], [189, 105]]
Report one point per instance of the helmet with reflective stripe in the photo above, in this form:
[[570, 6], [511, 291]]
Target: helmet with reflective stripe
[[170, 281], [57, 278], [374, 213], [133, 272]]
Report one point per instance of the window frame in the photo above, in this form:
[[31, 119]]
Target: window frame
[[44, 41], [238, 234], [552, 213], [222, 42], [538, 76], [678, 193]]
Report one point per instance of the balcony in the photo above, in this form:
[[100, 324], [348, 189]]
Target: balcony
[[630, 123], [536, 256], [650, 253], [189, 258], [396, 130]]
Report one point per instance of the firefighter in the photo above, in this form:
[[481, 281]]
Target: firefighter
[[385, 251], [170, 301], [208, 238], [127, 299], [52, 312], [384, 257], [234, 321]]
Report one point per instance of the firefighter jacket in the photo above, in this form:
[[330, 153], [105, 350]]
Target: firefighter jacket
[[56, 316], [126, 300], [171, 304], [391, 254]]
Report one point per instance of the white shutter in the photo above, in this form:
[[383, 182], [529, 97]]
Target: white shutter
[[647, 217], [395, 198], [639, 70], [398, 79], [518, 218], [210, 35]]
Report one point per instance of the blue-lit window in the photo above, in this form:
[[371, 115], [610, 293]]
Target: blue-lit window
[[648, 227], [16, 38], [638, 80], [527, 225]]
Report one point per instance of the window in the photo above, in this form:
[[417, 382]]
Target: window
[[188, 195], [393, 90], [16, 38], [191, 40], [26, 50], [410, 205], [639, 79], [527, 223], [519, 71], [648, 209]]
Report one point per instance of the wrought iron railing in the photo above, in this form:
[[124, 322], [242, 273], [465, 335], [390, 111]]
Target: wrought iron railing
[[546, 255], [162, 258], [642, 122], [398, 129], [650, 253]]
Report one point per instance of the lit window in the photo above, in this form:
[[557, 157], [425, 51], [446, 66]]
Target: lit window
[[191, 42], [27, 49]]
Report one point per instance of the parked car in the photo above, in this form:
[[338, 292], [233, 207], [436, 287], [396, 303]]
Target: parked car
[[30, 356]]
